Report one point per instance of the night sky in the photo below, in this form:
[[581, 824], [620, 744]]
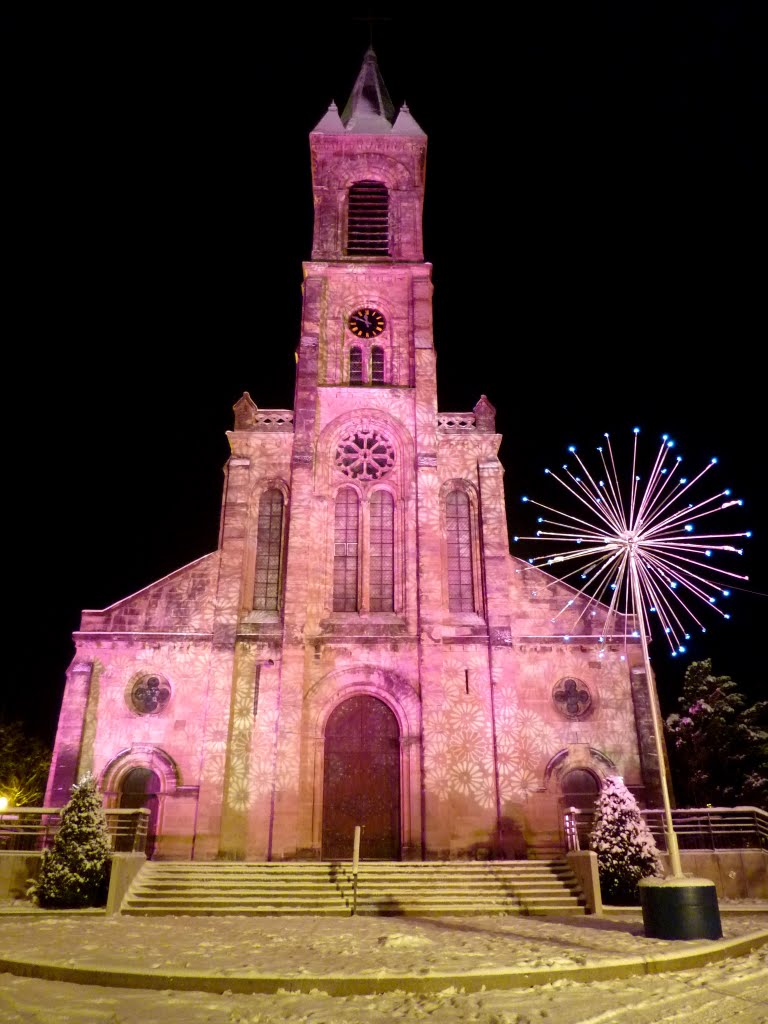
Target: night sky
[[595, 214]]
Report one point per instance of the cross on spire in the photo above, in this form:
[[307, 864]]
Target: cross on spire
[[370, 18]]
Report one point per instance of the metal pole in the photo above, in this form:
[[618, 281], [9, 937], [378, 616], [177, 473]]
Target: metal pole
[[355, 863], [672, 847]]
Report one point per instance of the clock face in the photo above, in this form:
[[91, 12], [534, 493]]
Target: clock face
[[366, 322]]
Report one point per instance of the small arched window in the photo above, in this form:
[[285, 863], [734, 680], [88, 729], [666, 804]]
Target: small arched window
[[355, 365], [269, 544], [461, 592], [377, 365], [382, 552], [346, 551], [368, 219]]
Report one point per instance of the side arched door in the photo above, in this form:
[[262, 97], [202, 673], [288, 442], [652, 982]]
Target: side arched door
[[140, 788]]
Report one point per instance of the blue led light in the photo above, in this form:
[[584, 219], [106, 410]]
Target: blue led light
[[635, 430], [515, 539], [571, 447], [713, 460], [726, 593], [726, 616], [727, 492], [688, 528], [748, 533], [524, 498]]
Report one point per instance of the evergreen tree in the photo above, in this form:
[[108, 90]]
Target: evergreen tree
[[626, 850], [24, 764], [76, 871], [719, 744]]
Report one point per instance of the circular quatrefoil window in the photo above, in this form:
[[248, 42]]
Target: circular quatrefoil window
[[365, 455], [571, 697], [149, 695]]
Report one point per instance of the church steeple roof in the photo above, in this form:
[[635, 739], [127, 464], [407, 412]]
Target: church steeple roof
[[369, 110]]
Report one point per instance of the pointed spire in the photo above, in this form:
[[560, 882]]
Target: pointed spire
[[330, 123], [485, 416], [405, 123], [369, 110], [245, 412]]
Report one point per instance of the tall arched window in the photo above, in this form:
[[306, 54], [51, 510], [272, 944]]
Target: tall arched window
[[346, 551], [355, 365], [382, 552], [461, 596], [368, 219], [377, 365], [269, 544]]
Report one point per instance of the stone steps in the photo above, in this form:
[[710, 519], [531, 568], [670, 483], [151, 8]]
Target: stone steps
[[426, 888]]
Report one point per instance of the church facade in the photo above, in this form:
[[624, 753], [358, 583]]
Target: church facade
[[361, 649]]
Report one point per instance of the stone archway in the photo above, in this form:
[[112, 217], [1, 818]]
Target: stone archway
[[139, 787], [361, 780]]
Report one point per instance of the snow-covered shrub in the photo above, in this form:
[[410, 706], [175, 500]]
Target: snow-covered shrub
[[626, 850], [75, 872]]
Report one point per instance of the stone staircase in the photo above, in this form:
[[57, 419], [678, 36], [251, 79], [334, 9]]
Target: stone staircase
[[414, 888]]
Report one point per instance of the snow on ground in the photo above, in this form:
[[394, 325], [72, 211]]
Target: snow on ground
[[734, 991]]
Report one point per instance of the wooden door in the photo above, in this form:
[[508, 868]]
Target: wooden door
[[361, 782]]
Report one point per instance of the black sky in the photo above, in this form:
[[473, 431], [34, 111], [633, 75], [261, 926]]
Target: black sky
[[595, 214]]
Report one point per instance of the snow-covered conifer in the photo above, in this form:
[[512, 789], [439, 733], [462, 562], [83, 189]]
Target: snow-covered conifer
[[626, 850], [76, 871]]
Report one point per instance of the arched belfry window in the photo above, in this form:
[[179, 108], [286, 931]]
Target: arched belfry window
[[355, 365], [382, 552], [368, 219], [461, 596], [377, 365], [346, 551], [269, 544]]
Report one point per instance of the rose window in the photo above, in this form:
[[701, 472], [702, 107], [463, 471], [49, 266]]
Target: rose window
[[365, 455], [150, 694], [571, 698]]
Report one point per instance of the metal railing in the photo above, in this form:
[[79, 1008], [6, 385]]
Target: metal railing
[[697, 828], [33, 828]]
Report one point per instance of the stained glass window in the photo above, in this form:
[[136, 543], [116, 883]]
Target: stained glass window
[[382, 551], [269, 542], [461, 597], [346, 557], [150, 694]]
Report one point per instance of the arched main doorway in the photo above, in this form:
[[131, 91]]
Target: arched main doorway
[[139, 788], [361, 780]]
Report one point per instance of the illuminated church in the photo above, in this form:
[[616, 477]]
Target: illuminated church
[[361, 648]]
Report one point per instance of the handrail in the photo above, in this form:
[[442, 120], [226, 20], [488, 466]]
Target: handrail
[[697, 828], [33, 828]]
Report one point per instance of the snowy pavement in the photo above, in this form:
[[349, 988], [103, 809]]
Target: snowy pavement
[[374, 949]]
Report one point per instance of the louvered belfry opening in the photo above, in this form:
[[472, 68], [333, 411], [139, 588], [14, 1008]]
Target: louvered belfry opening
[[368, 219]]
